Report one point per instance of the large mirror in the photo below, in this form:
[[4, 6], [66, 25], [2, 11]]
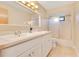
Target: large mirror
[[3, 16], [14, 16]]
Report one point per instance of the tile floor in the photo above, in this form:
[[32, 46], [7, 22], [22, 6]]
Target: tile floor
[[61, 51]]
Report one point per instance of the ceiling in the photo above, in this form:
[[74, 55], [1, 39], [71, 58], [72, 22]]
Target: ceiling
[[53, 4], [46, 4]]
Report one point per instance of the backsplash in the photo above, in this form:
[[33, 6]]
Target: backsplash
[[11, 28]]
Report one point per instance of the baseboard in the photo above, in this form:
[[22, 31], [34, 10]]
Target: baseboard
[[49, 52]]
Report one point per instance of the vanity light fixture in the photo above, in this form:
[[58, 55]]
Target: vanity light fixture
[[30, 5], [36, 6]]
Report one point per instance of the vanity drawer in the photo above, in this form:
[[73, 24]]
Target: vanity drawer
[[33, 52], [18, 49]]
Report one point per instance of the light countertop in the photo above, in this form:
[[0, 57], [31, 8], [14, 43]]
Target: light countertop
[[10, 40]]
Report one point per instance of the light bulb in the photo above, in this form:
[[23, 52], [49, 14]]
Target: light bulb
[[32, 3], [32, 7], [28, 5], [36, 6]]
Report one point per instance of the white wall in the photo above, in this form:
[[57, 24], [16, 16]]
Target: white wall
[[54, 27], [65, 29]]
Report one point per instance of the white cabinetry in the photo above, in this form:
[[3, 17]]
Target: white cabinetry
[[34, 52], [18, 49], [37, 47], [46, 45]]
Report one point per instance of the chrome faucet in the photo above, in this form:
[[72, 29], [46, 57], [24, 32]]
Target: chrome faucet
[[17, 33]]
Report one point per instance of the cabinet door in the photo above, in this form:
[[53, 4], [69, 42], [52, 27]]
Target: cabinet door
[[19, 49], [49, 44], [33, 52], [26, 53], [36, 52], [46, 45]]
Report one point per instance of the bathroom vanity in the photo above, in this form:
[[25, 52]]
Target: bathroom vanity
[[35, 44]]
